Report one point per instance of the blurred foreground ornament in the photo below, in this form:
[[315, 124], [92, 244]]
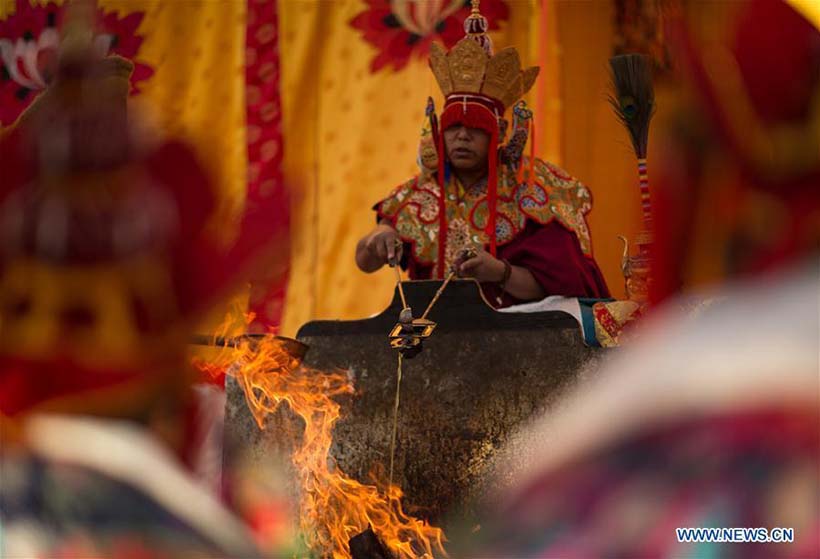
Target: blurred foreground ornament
[[746, 150], [105, 261]]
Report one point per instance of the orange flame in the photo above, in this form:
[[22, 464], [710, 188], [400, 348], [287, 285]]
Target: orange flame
[[333, 507]]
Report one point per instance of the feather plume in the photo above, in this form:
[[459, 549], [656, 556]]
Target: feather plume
[[633, 98]]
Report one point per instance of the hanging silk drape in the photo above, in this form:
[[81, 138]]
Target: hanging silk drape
[[354, 83], [264, 137]]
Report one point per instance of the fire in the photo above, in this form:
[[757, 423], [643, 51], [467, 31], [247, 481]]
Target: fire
[[333, 507]]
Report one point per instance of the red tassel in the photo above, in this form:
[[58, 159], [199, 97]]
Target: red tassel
[[434, 128], [477, 116], [519, 175], [442, 208], [492, 189], [532, 156], [473, 114]]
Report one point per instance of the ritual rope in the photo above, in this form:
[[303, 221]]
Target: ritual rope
[[429, 308]]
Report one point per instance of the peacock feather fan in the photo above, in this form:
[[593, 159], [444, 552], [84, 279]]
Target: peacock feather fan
[[634, 97]]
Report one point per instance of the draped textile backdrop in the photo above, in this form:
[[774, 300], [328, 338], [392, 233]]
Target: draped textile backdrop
[[354, 81], [353, 96]]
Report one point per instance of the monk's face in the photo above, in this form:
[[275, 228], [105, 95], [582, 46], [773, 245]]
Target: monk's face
[[467, 148]]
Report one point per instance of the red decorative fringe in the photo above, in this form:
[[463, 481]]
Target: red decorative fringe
[[492, 189], [442, 207], [531, 180], [266, 189], [474, 114]]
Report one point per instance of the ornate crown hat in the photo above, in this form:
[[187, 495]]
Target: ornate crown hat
[[478, 87], [471, 68]]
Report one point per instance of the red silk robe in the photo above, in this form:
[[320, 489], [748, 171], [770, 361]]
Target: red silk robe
[[541, 226]]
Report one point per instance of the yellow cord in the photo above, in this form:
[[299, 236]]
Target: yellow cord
[[395, 419], [450, 276], [401, 289]]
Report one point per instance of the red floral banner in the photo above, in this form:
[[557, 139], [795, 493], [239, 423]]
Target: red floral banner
[[264, 134], [402, 29]]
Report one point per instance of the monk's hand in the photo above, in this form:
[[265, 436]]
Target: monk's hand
[[384, 244], [483, 266]]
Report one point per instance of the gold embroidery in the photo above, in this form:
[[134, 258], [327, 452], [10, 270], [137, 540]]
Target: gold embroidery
[[502, 69], [467, 68], [467, 62], [553, 195], [458, 238], [438, 63], [528, 77]]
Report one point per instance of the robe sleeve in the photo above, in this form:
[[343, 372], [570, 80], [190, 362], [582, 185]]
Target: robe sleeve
[[554, 257], [387, 211]]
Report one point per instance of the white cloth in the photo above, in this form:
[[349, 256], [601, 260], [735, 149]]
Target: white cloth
[[569, 305]]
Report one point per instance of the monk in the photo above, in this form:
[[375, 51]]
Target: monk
[[516, 224]]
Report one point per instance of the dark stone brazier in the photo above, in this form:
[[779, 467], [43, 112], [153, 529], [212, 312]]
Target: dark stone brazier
[[480, 376]]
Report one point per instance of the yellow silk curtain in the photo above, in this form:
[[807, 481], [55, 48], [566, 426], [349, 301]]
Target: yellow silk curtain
[[197, 49], [351, 136]]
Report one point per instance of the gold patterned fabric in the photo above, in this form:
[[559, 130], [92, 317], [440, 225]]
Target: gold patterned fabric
[[413, 208], [612, 319], [467, 68]]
